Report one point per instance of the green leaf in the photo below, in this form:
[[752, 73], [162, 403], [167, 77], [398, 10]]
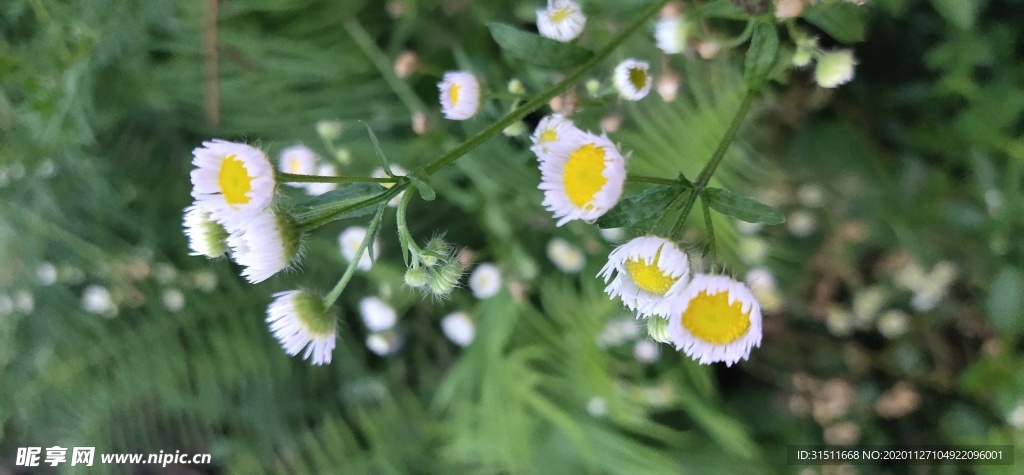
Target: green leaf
[[843, 21], [536, 49], [639, 208], [741, 207], [379, 151], [764, 46], [960, 13], [718, 9], [1006, 301], [338, 204], [421, 180]]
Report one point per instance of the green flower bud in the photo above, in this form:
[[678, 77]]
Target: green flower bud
[[515, 86], [515, 129], [416, 277], [329, 130], [593, 86], [446, 277], [657, 329]]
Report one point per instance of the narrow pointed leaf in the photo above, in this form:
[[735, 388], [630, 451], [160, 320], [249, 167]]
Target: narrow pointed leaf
[[741, 207], [764, 46], [377, 150], [344, 200], [639, 208], [536, 49]]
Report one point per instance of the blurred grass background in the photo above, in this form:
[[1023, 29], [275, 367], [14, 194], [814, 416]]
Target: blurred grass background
[[896, 317]]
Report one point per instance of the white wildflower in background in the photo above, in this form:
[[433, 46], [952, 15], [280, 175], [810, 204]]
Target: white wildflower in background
[[811, 195], [645, 272], [582, 178], [562, 20], [206, 237], [632, 78], [485, 281], [867, 302], [297, 160], [646, 351], [265, 245], [299, 320], [315, 189], [377, 315], [618, 331], [233, 181], [460, 95], [566, 257], [164, 272], [1016, 417], [97, 299], [801, 223], [597, 406], [349, 240], [893, 324], [551, 130], [398, 171], [840, 322], [834, 68], [459, 328], [46, 273], [173, 300], [716, 319], [384, 343], [205, 281], [670, 34], [329, 130], [24, 301], [762, 284]]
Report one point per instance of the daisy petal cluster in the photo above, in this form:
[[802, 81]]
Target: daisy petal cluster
[[562, 20], [632, 78], [582, 174], [460, 95], [645, 273], [233, 182], [298, 320]]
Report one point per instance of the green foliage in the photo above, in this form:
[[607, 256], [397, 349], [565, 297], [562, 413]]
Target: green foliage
[[760, 59], [741, 207], [536, 49], [639, 208]]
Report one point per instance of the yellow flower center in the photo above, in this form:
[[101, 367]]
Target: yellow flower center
[[295, 165], [234, 180], [561, 14], [584, 175], [638, 78], [548, 135], [711, 318], [453, 93], [649, 277]]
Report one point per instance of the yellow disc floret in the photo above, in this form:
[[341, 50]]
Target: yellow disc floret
[[711, 318], [649, 277], [638, 78], [453, 93], [549, 135], [235, 181], [560, 14], [584, 175]]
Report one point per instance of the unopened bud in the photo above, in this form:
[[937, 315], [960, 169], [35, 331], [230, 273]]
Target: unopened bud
[[515, 129], [406, 63], [515, 86], [835, 68], [657, 329], [416, 277], [329, 130], [593, 86]]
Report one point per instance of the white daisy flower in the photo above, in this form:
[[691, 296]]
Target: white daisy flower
[[458, 327], [715, 319], [834, 68], [173, 300], [562, 20], [582, 177], [645, 273], [299, 320], [671, 33], [552, 129], [297, 160], [233, 181], [398, 171], [485, 282], [566, 257], [377, 315], [460, 95], [383, 343], [97, 299], [632, 78], [646, 351], [349, 240], [47, 273], [206, 237], [315, 189], [265, 245]]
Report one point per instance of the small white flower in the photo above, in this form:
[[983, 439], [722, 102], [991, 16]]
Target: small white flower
[[760, 278], [383, 343], [715, 319], [840, 322], [46, 273], [811, 195], [867, 302], [265, 245], [173, 300], [297, 160], [398, 171], [671, 33], [551, 130], [582, 178], [459, 328], [460, 95], [801, 223], [893, 324], [645, 273], [205, 280], [597, 406], [97, 299], [164, 272], [562, 20], [377, 315], [485, 282], [24, 301], [1016, 418], [834, 68], [316, 189], [233, 181], [567, 257], [329, 130], [632, 78], [646, 351], [618, 331], [349, 240], [299, 320], [206, 237]]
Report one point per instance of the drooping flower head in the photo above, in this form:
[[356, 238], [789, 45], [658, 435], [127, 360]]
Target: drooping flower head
[[206, 237], [562, 20], [645, 273], [232, 181], [297, 160], [716, 319], [551, 130], [582, 177], [460, 95], [265, 245], [632, 79], [298, 320]]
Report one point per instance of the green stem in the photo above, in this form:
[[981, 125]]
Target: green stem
[[711, 231], [371, 232], [307, 226], [383, 64], [543, 98], [404, 236], [687, 207], [293, 178], [653, 180]]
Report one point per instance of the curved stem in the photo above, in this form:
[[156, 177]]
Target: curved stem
[[712, 251], [371, 232], [308, 226], [293, 178], [404, 236]]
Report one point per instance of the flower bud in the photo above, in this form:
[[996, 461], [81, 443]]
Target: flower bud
[[657, 329], [446, 277], [835, 68], [329, 130], [515, 86], [416, 277], [515, 129], [593, 86]]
